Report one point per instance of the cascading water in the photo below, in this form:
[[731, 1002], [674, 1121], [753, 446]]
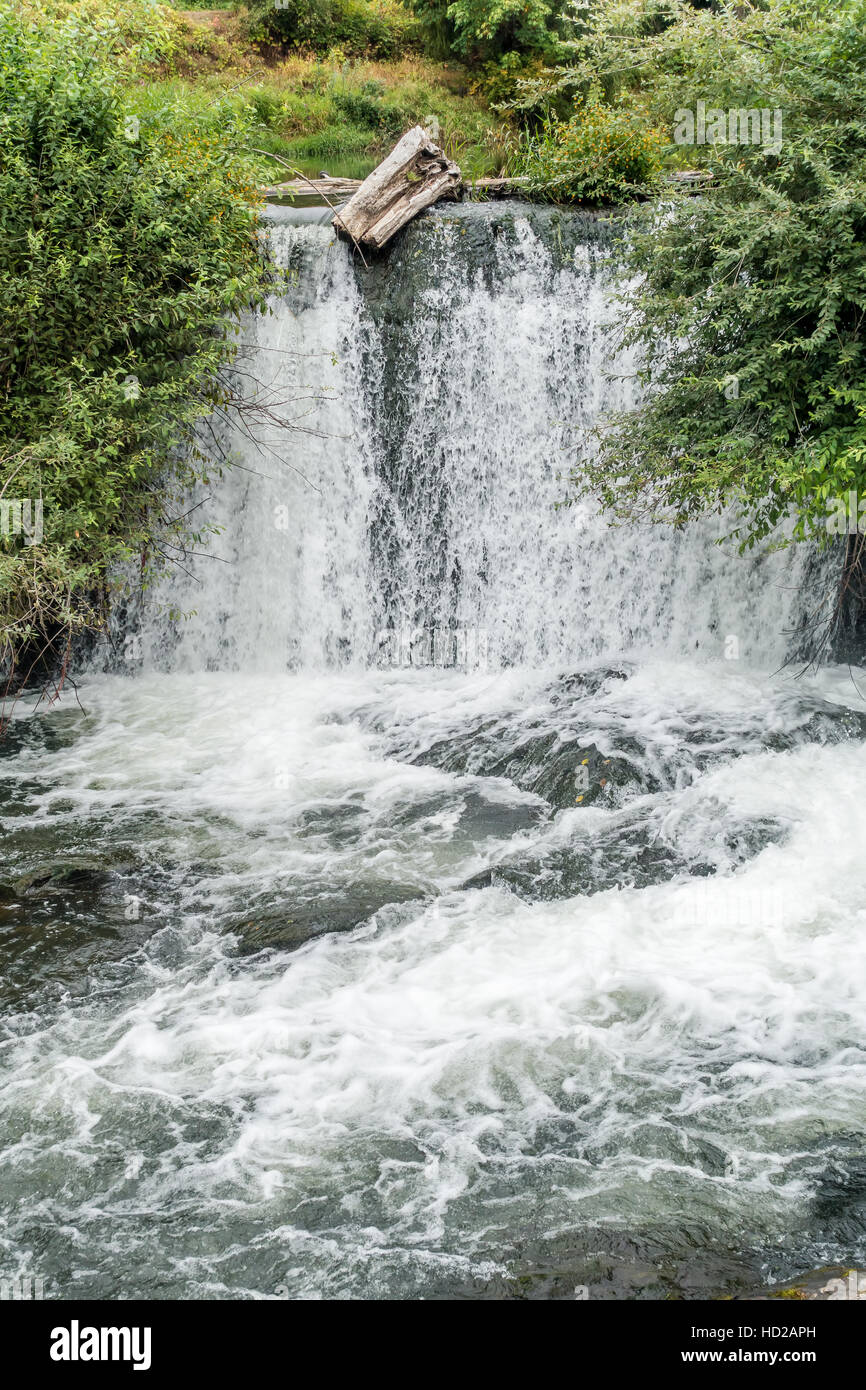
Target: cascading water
[[457, 904], [443, 394]]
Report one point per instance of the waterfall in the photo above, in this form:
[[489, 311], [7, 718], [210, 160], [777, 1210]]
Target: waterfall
[[461, 902], [406, 505]]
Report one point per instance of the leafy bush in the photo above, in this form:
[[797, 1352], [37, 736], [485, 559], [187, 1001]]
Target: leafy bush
[[749, 303], [504, 81], [124, 252], [134, 34], [361, 108], [482, 31], [142, 35], [378, 28], [601, 154]]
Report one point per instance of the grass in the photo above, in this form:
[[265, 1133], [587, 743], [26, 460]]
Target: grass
[[335, 113]]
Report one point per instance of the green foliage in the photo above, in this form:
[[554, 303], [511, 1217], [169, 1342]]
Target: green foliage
[[124, 254], [503, 81], [363, 107], [749, 301], [136, 33], [601, 154], [143, 35], [313, 113], [482, 31], [376, 28]]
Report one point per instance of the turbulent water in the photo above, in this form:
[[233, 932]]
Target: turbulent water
[[464, 901]]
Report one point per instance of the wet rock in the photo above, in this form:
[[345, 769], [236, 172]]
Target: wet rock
[[343, 823], [479, 816], [54, 879], [840, 1198], [823, 723], [288, 924], [564, 772], [630, 853], [583, 683], [418, 259], [613, 1265], [631, 860], [43, 732]]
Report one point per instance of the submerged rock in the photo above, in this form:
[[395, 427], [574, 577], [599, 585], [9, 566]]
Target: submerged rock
[[628, 853], [603, 1264], [56, 879], [293, 921]]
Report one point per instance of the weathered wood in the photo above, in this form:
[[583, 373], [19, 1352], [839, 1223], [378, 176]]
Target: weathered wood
[[412, 177], [335, 190], [332, 190]]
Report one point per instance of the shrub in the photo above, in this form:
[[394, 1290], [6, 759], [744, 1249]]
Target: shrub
[[124, 253], [748, 302], [482, 31], [359, 108], [601, 154], [378, 28], [142, 36], [134, 34]]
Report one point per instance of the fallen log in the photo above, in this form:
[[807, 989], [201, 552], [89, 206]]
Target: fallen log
[[340, 189], [335, 190], [412, 177]]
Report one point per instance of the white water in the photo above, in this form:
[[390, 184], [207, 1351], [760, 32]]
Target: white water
[[432, 473], [361, 1001]]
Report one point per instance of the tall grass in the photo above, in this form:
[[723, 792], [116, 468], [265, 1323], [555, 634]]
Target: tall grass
[[342, 116]]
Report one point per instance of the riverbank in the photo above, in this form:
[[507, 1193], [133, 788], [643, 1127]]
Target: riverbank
[[334, 112]]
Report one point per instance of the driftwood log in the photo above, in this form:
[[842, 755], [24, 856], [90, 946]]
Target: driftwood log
[[337, 190], [413, 176]]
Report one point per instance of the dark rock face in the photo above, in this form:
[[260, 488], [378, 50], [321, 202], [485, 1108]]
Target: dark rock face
[[629, 852], [847, 634], [410, 296], [58, 880]]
